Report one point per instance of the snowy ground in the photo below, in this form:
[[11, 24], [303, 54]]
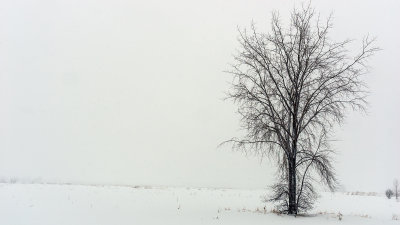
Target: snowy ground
[[41, 204]]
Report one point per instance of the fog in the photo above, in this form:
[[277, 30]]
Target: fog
[[131, 92]]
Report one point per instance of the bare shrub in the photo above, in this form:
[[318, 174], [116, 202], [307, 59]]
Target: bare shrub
[[389, 193]]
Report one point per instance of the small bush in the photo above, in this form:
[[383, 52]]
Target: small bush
[[340, 216], [389, 193]]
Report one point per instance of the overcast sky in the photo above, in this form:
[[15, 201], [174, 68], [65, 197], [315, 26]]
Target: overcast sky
[[131, 92]]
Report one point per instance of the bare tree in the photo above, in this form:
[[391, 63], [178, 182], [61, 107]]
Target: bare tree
[[396, 188], [291, 87]]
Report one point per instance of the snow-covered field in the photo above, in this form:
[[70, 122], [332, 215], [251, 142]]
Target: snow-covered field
[[41, 204]]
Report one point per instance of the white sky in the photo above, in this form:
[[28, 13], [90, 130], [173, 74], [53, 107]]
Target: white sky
[[130, 92]]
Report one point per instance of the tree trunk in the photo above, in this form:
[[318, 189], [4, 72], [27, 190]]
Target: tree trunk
[[292, 210]]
